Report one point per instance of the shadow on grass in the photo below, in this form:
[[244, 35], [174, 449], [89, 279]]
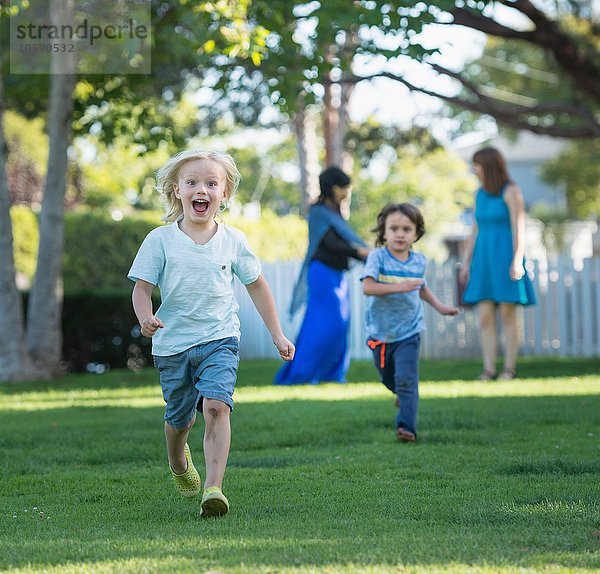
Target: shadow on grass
[[504, 481]]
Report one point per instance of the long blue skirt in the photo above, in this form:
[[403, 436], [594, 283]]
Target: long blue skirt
[[322, 353]]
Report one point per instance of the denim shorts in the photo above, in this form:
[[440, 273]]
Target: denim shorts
[[206, 371]]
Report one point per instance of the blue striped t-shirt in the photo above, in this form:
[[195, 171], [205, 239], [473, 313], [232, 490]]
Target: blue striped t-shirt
[[397, 316]]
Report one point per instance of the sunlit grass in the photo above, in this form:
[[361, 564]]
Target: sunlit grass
[[175, 564], [140, 397], [142, 390], [149, 395], [336, 392]]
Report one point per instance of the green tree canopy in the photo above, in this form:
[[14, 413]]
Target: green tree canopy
[[311, 45], [437, 181], [578, 170]]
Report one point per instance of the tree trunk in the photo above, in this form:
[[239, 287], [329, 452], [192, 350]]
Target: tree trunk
[[335, 124], [44, 334], [15, 362], [306, 139], [331, 118], [335, 106], [347, 161]]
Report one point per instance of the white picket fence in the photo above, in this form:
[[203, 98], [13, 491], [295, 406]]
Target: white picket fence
[[565, 321]]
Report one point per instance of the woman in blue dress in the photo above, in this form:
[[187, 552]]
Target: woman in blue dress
[[493, 270], [322, 352]]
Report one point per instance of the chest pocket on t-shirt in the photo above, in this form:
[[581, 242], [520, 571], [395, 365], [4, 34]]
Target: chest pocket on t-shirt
[[199, 277], [214, 279]]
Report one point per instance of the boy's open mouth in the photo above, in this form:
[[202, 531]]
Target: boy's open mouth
[[200, 206]]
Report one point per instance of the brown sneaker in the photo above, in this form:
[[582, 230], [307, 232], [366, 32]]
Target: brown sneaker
[[404, 435]]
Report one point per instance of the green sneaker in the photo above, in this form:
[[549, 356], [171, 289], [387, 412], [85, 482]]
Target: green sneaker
[[214, 503], [189, 482]]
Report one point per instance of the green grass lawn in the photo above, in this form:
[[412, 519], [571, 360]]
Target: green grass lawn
[[505, 476]]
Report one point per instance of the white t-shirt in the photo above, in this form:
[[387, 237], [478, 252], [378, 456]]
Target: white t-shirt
[[196, 284]]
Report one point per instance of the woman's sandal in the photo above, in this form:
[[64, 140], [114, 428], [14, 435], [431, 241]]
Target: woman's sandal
[[486, 376], [507, 375]]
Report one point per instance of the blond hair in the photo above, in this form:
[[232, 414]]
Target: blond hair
[[167, 175]]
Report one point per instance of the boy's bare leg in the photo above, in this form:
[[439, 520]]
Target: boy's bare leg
[[487, 327], [176, 439], [217, 440]]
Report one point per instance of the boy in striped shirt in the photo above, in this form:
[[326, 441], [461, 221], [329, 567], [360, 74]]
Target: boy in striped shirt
[[395, 286]]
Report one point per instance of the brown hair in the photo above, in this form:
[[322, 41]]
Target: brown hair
[[411, 211], [495, 172]]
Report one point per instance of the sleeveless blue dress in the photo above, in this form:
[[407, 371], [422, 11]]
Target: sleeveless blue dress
[[492, 256]]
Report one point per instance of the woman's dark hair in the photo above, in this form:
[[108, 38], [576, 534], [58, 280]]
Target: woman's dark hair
[[495, 172], [329, 177], [412, 212]]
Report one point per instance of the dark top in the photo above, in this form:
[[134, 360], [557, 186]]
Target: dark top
[[335, 251]]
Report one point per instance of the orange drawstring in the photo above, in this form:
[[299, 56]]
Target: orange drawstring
[[373, 344]]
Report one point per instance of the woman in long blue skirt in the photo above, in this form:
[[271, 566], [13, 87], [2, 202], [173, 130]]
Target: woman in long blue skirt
[[322, 344]]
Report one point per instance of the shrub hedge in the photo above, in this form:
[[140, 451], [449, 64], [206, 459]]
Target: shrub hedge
[[25, 240], [100, 331], [99, 250]]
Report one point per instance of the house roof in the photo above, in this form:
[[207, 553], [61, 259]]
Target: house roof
[[527, 147]]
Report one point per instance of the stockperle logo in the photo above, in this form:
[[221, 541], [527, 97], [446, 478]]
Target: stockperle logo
[[80, 36]]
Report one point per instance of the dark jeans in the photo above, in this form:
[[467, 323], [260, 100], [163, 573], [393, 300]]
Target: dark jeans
[[398, 366]]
